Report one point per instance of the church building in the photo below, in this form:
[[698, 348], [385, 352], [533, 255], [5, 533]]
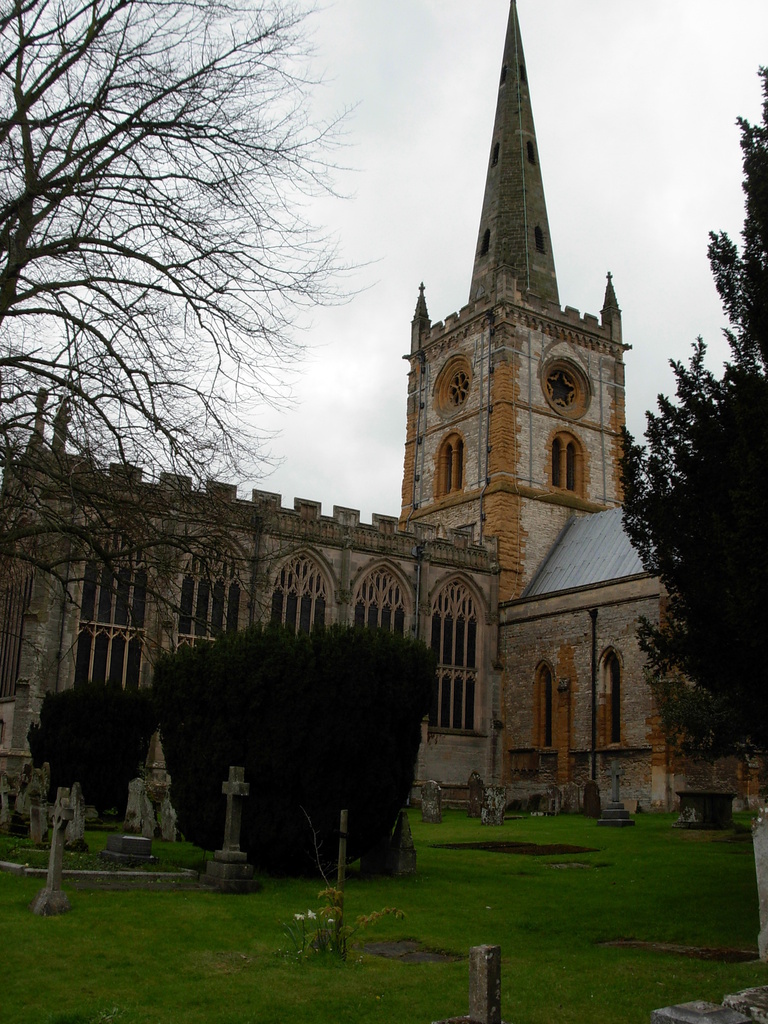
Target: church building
[[508, 557]]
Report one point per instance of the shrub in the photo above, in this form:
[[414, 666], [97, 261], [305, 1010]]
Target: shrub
[[320, 723], [96, 735]]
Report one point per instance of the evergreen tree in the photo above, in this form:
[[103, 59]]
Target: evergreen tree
[[696, 496], [320, 723]]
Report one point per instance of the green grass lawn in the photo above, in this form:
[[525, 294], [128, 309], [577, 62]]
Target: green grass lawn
[[144, 957]]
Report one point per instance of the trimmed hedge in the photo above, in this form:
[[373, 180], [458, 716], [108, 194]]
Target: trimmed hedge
[[320, 723], [97, 735]]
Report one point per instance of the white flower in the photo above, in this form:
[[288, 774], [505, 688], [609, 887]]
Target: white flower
[[311, 915], [298, 917]]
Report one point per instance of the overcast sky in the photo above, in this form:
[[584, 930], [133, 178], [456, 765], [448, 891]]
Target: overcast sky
[[635, 107]]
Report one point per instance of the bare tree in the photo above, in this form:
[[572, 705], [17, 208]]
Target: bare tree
[[154, 159]]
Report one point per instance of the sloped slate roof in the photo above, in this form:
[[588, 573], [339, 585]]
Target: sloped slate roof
[[592, 549]]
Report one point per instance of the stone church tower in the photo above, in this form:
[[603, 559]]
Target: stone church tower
[[515, 406]]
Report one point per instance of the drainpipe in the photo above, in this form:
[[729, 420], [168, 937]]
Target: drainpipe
[[593, 767], [419, 441]]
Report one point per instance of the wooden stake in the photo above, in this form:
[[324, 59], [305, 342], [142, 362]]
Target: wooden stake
[[342, 867]]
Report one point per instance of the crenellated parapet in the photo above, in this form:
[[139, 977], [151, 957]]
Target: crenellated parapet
[[306, 524]]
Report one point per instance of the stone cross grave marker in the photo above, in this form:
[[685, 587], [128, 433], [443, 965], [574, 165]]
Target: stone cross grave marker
[[235, 789], [615, 813], [617, 773], [229, 871], [51, 900]]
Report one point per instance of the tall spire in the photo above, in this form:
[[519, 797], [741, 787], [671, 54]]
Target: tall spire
[[514, 231]]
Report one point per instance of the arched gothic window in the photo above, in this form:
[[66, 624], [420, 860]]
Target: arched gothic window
[[450, 466], [567, 463], [612, 690], [300, 595], [111, 633], [380, 602], [543, 704], [454, 641], [210, 602]]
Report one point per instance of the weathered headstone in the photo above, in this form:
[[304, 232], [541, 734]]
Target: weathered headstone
[[167, 820], [401, 859], [5, 801], [475, 798], [571, 798], [494, 805], [229, 871], [554, 799], [129, 850], [51, 901], [38, 819], [615, 814], [431, 803], [591, 799], [21, 805], [760, 846], [704, 809], [75, 834], [752, 1002], [140, 818], [698, 1012], [484, 987]]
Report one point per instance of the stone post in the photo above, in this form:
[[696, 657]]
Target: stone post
[[485, 984], [51, 901], [760, 845]]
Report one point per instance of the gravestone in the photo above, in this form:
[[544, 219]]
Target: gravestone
[[698, 1012], [167, 819], [475, 800], [229, 871], [752, 1002], [140, 818], [21, 805], [553, 798], [571, 803], [5, 801], [615, 814], [592, 805], [75, 834], [494, 805], [484, 987], [431, 803], [401, 859], [51, 901], [38, 818], [128, 850], [760, 846], [700, 809]]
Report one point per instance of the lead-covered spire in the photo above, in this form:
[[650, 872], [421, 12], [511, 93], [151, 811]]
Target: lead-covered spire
[[514, 231]]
